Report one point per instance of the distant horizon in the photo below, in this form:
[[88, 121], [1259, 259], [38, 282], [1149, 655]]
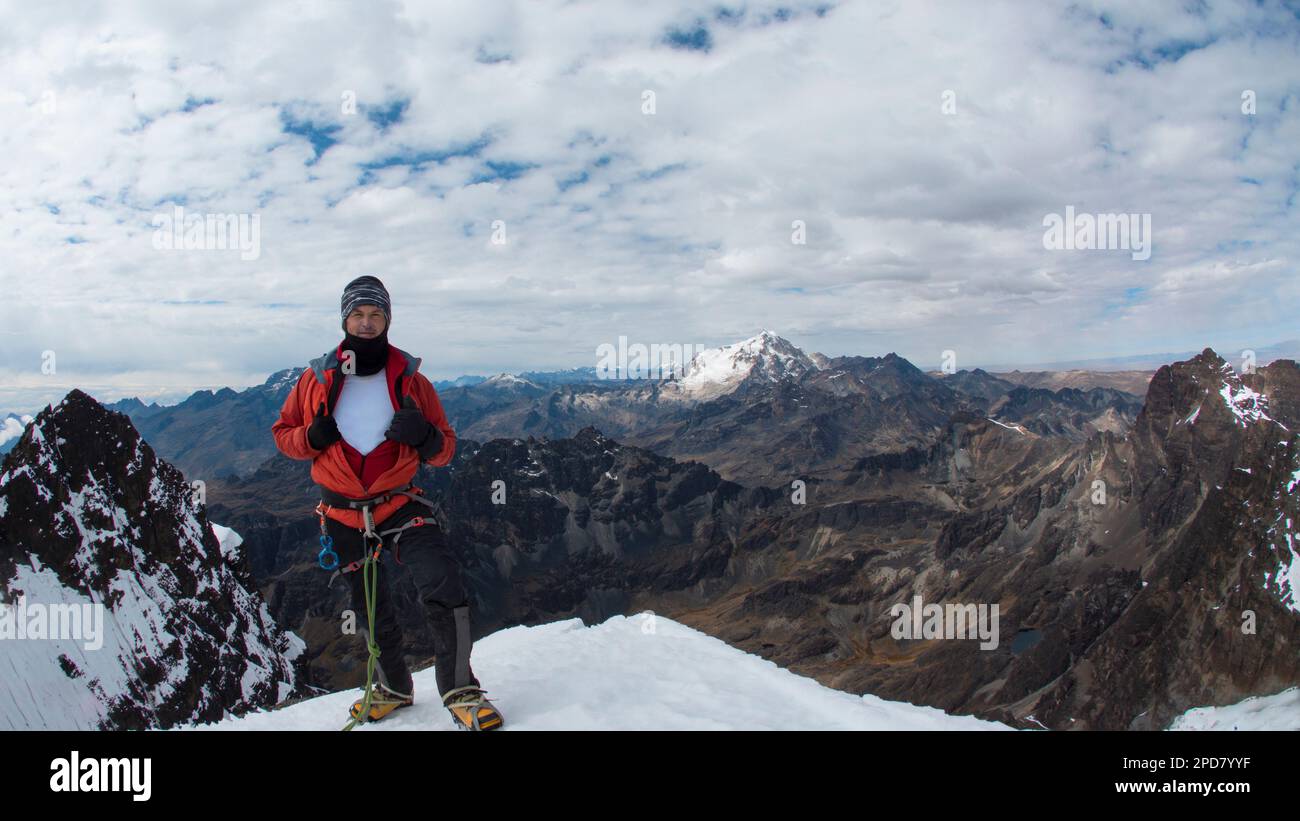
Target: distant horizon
[[1290, 350]]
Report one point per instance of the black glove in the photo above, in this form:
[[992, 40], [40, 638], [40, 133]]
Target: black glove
[[431, 445], [409, 425], [324, 431]]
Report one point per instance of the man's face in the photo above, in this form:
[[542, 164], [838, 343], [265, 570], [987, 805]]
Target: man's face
[[366, 321]]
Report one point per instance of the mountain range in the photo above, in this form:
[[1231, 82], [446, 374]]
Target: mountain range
[[755, 411], [1140, 547]]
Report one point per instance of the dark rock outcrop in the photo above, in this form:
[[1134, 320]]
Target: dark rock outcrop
[[90, 515]]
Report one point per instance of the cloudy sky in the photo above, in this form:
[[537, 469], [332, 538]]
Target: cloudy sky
[[648, 166]]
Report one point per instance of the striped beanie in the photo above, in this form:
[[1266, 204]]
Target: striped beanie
[[366, 290]]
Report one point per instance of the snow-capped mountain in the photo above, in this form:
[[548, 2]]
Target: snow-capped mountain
[[508, 382], [765, 356], [278, 384], [640, 672], [124, 609]]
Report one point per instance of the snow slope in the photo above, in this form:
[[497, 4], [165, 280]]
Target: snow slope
[[643, 672], [1275, 712]]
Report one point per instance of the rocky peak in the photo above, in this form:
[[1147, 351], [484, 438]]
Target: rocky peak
[[1203, 391], [279, 384], [90, 516]]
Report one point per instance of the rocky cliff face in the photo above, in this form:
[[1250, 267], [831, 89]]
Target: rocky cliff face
[[585, 526], [1068, 412], [1125, 568], [90, 518], [1213, 466]]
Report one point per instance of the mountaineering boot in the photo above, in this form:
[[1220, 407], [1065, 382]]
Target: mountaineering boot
[[394, 690], [383, 701], [470, 710], [461, 691]]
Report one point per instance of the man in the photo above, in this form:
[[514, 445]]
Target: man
[[367, 418]]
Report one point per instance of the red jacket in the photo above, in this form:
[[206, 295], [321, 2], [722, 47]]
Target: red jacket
[[339, 466]]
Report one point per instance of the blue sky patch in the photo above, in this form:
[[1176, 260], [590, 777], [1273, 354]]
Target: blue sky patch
[[492, 57], [501, 171], [661, 171], [320, 136], [388, 114], [417, 159], [1168, 52], [691, 39], [572, 180]]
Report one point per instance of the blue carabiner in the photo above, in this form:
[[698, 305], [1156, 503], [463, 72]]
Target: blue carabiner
[[328, 559]]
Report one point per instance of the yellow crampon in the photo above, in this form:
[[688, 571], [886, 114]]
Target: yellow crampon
[[470, 710], [383, 701]]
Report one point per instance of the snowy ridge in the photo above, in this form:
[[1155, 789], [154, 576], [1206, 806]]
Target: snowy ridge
[[643, 672]]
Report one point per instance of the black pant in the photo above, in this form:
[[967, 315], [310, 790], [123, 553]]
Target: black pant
[[424, 553]]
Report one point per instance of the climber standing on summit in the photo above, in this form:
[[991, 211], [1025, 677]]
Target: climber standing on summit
[[367, 418]]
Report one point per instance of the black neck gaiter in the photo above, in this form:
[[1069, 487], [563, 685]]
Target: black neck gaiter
[[371, 354]]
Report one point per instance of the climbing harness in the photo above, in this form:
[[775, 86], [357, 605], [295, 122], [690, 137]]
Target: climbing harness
[[329, 560]]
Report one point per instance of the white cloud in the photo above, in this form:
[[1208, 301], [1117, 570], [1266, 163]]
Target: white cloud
[[924, 230]]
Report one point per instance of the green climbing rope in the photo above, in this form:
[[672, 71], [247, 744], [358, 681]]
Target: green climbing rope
[[369, 581]]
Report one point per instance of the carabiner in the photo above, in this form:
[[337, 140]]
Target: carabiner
[[328, 559]]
